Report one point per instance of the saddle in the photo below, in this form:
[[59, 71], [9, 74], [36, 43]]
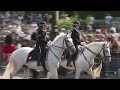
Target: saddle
[[33, 55]]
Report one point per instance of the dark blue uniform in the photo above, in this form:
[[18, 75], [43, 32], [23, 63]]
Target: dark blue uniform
[[75, 35], [41, 38], [41, 44]]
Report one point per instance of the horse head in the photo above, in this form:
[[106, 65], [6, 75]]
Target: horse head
[[105, 52], [68, 43], [64, 41]]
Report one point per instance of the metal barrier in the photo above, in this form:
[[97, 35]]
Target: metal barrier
[[101, 24]]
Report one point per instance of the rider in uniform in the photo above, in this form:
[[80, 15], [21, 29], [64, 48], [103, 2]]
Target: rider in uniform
[[77, 40], [41, 43], [40, 48]]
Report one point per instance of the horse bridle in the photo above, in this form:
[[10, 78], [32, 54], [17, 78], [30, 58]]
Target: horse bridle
[[64, 41], [103, 48]]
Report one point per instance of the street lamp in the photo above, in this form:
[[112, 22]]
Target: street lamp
[[55, 17]]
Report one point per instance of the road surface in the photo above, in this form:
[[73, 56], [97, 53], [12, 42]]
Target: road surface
[[70, 75]]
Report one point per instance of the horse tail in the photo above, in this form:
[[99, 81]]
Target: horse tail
[[97, 71], [9, 70]]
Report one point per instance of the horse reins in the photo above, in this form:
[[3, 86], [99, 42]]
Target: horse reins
[[68, 47], [95, 53]]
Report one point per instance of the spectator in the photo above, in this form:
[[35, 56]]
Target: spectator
[[114, 43], [89, 28], [8, 48], [90, 38], [108, 21], [33, 28], [112, 31], [99, 36]]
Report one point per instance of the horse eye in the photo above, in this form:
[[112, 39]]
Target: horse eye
[[67, 40], [106, 50]]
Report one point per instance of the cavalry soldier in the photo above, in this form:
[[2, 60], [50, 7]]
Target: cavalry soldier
[[77, 39], [40, 48], [41, 43]]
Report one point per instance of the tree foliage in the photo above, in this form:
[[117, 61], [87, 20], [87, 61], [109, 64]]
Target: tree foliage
[[67, 24]]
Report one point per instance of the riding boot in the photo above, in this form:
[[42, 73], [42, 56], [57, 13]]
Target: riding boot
[[72, 58], [43, 61], [69, 60]]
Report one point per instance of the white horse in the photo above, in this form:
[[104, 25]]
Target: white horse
[[53, 57], [85, 59]]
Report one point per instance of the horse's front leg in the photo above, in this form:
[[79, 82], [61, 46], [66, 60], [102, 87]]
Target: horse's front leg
[[54, 74], [90, 72], [77, 73], [49, 75]]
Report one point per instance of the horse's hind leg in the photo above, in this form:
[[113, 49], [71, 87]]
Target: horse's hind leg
[[90, 72], [16, 69], [26, 72]]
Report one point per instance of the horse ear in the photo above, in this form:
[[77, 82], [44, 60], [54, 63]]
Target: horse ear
[[66, 34], [109, 42]]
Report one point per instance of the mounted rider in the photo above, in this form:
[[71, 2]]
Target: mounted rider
[[41, 43], [77, 40], [39, 51]]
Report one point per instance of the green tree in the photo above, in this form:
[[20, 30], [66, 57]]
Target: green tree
[[67, 24]]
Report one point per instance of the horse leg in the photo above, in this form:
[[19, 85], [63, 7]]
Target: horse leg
[[8, 72], [77, 73], [53, 72], [97, 71], [26, 72], [49, 75], [34, 74], [90, 72]]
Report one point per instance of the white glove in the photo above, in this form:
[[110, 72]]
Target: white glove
[[83, 43]]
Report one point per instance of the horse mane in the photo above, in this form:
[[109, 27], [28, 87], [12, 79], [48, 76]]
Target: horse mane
[[58, 37], [94, 43]]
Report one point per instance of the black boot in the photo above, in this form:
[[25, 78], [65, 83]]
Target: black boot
[[72, 58], [38, 60], [69, 60]]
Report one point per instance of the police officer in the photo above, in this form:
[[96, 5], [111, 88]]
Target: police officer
[[77, 39], [41, 42]]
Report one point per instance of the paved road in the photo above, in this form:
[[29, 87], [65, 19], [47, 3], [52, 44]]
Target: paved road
[[69, 75]]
